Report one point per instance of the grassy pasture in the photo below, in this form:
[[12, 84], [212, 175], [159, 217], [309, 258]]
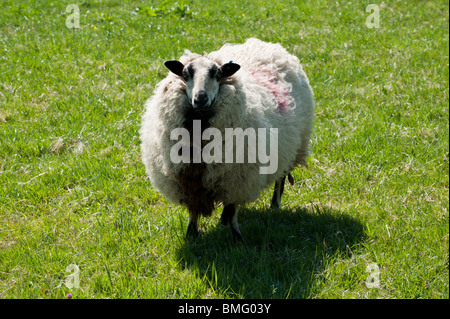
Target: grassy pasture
[[74, 191]]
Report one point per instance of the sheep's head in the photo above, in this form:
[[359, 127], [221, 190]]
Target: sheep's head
[[202, 77]]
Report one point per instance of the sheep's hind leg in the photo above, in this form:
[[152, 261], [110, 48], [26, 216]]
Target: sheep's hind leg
[[192, 230], [277, 192], [229, 216]]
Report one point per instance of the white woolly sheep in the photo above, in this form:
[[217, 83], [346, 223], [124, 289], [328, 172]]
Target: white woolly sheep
[[250, 86]]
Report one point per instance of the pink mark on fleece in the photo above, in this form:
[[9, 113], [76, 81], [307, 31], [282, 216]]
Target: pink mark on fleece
[[269, 79]]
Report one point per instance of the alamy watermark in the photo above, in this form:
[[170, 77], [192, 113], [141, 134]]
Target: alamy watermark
[[373, 19], [212, 152], [373, 280], [72, 280], [73, 19]]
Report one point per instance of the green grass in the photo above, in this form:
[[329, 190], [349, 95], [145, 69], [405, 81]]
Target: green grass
[[74, 191]]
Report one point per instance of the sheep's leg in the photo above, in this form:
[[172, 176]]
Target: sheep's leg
[[192, 230], [277, 192], [229, 216]]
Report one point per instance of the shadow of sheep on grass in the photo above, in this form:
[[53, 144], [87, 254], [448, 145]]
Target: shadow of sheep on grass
[[282, 253]]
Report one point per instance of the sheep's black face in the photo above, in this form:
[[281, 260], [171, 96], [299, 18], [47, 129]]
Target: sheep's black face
[[202, 77]]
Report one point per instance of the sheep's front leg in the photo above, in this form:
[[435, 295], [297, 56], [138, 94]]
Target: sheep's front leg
[[229, 216], [192, 230]]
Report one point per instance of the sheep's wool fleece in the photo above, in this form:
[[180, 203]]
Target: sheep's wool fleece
[[269, 91]]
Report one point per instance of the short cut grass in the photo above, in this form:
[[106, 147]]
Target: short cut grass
[[74, 191]]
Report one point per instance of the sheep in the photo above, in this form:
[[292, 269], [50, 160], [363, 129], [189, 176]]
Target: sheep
[[255, 85]]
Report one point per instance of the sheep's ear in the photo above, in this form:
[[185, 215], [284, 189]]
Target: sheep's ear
[[175, 67], [228, 69]]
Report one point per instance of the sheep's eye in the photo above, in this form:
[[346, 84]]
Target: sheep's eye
[[185, 75], [218, 75]]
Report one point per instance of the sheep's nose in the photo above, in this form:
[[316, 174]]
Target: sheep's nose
[[200, 100]]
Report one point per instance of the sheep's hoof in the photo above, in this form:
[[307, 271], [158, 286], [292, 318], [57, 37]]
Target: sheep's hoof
[[237, 237], [275, 203], [192, 231]]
